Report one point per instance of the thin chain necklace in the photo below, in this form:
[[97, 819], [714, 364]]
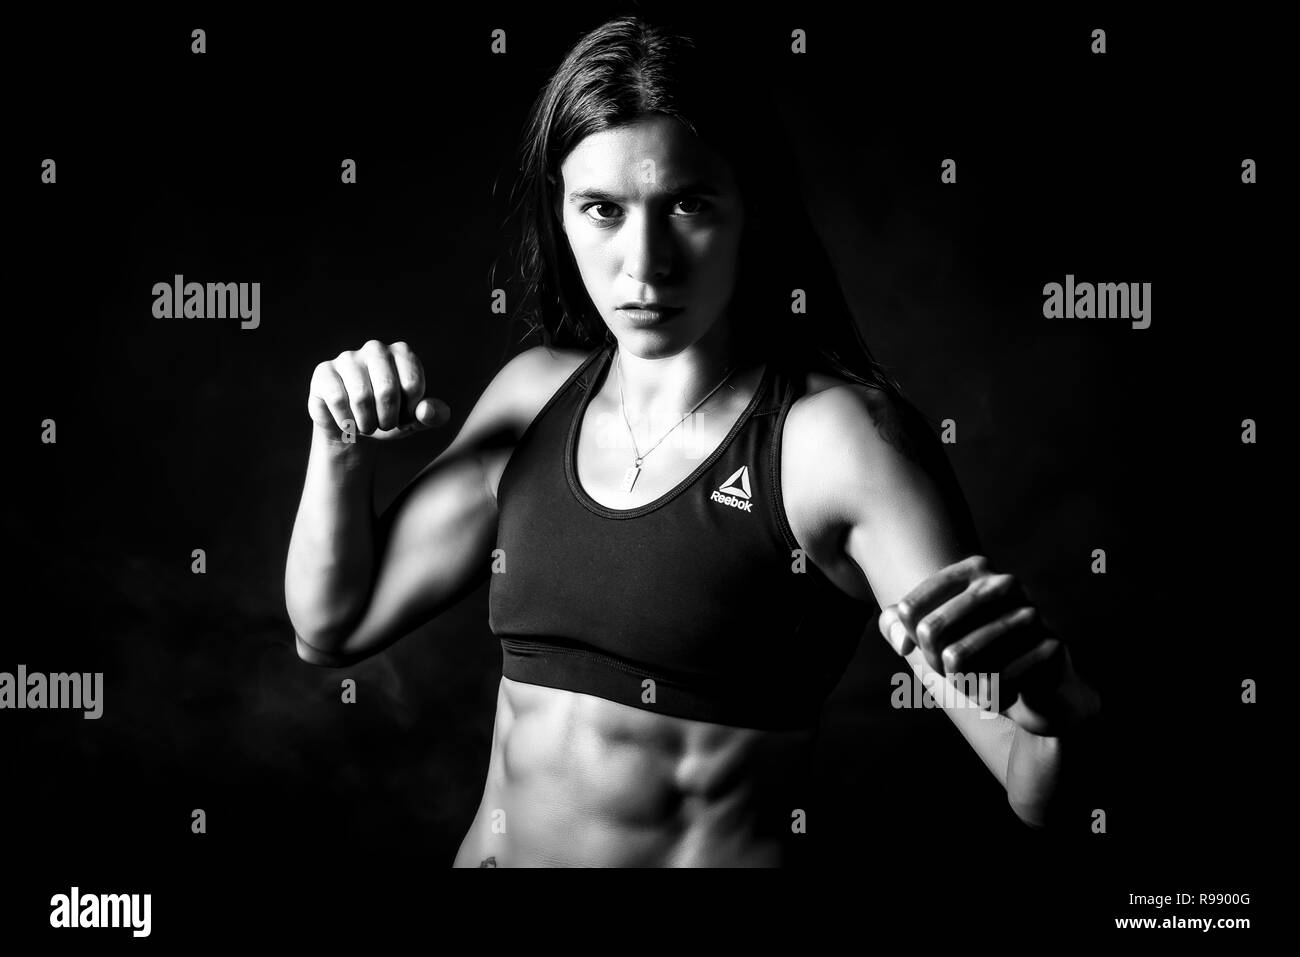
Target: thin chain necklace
[[630, 476]]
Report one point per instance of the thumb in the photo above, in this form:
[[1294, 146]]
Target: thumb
[[431, 412], [895, 631]]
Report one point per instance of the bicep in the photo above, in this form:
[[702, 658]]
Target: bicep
[[894, 493]]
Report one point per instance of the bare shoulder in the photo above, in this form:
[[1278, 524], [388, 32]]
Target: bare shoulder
[[842, 438], [537, 373], [834, 411], [850, 451], [517, 394], [522, 385]]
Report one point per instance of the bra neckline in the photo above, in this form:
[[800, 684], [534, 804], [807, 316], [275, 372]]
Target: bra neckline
[[571, 446]]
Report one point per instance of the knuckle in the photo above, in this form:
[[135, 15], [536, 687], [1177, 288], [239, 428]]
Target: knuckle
[[410, 371], [373, 346], [930, 626], [952, 657], [887, 617], [996, 585], [980, 564]]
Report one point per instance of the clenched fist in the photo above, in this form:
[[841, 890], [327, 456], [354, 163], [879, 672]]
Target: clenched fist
[[377, 390]]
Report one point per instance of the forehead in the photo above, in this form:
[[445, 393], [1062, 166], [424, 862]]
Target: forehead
[[617, 158]]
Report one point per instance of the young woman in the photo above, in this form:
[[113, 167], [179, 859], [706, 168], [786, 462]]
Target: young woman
[[690, 500]]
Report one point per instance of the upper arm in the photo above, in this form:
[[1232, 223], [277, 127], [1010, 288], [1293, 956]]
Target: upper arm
[[433, 542], [888, 487]]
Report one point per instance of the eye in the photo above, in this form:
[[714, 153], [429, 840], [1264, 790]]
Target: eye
[[598, 218], [695, 207], [696, 201]]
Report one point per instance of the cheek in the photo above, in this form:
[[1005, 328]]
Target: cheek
[[714, 253], [578, 245], [594, 259], [585, 241]]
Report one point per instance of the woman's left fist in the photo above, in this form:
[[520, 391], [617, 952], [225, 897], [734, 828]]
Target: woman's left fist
[[968, 620]]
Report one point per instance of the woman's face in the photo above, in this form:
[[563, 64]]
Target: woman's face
[[652, 215]]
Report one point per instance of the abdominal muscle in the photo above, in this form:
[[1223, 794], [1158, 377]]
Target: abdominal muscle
[[579, 781]]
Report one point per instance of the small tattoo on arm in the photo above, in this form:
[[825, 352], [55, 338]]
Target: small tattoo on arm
[[489, 862], [896, 426]]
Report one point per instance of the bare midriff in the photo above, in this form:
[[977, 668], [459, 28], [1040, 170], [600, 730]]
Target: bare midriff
[[578, 781]]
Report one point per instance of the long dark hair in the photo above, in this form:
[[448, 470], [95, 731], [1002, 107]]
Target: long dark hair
[[628, 68]]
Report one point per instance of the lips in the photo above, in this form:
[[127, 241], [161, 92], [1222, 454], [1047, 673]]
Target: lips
[[648, 314]]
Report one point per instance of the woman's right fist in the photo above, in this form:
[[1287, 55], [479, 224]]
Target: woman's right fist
[[378, 391]]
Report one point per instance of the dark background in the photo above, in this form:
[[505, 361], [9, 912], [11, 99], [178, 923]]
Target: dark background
[[183, 434]]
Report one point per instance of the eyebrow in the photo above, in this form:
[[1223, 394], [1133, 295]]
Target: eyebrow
[[602, 196]]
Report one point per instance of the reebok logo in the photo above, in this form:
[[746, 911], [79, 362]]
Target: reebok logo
[[735, 491]]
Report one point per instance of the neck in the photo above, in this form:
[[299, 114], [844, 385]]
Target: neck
[[666, 387]]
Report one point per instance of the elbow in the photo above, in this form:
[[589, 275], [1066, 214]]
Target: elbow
[[1033, 818], [1058, 814], [316, 656]]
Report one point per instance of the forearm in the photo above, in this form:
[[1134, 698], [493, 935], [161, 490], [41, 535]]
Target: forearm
[[331, 551], [1048, 778]]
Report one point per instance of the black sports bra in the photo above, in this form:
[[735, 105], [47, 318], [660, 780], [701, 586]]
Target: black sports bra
[[697, 604]]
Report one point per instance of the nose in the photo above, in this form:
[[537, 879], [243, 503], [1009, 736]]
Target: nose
[[648, 248]]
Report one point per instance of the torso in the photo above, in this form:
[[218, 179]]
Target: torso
[[577, 780]]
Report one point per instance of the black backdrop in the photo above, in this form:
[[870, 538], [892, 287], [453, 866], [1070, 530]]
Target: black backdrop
[[183, 434]]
